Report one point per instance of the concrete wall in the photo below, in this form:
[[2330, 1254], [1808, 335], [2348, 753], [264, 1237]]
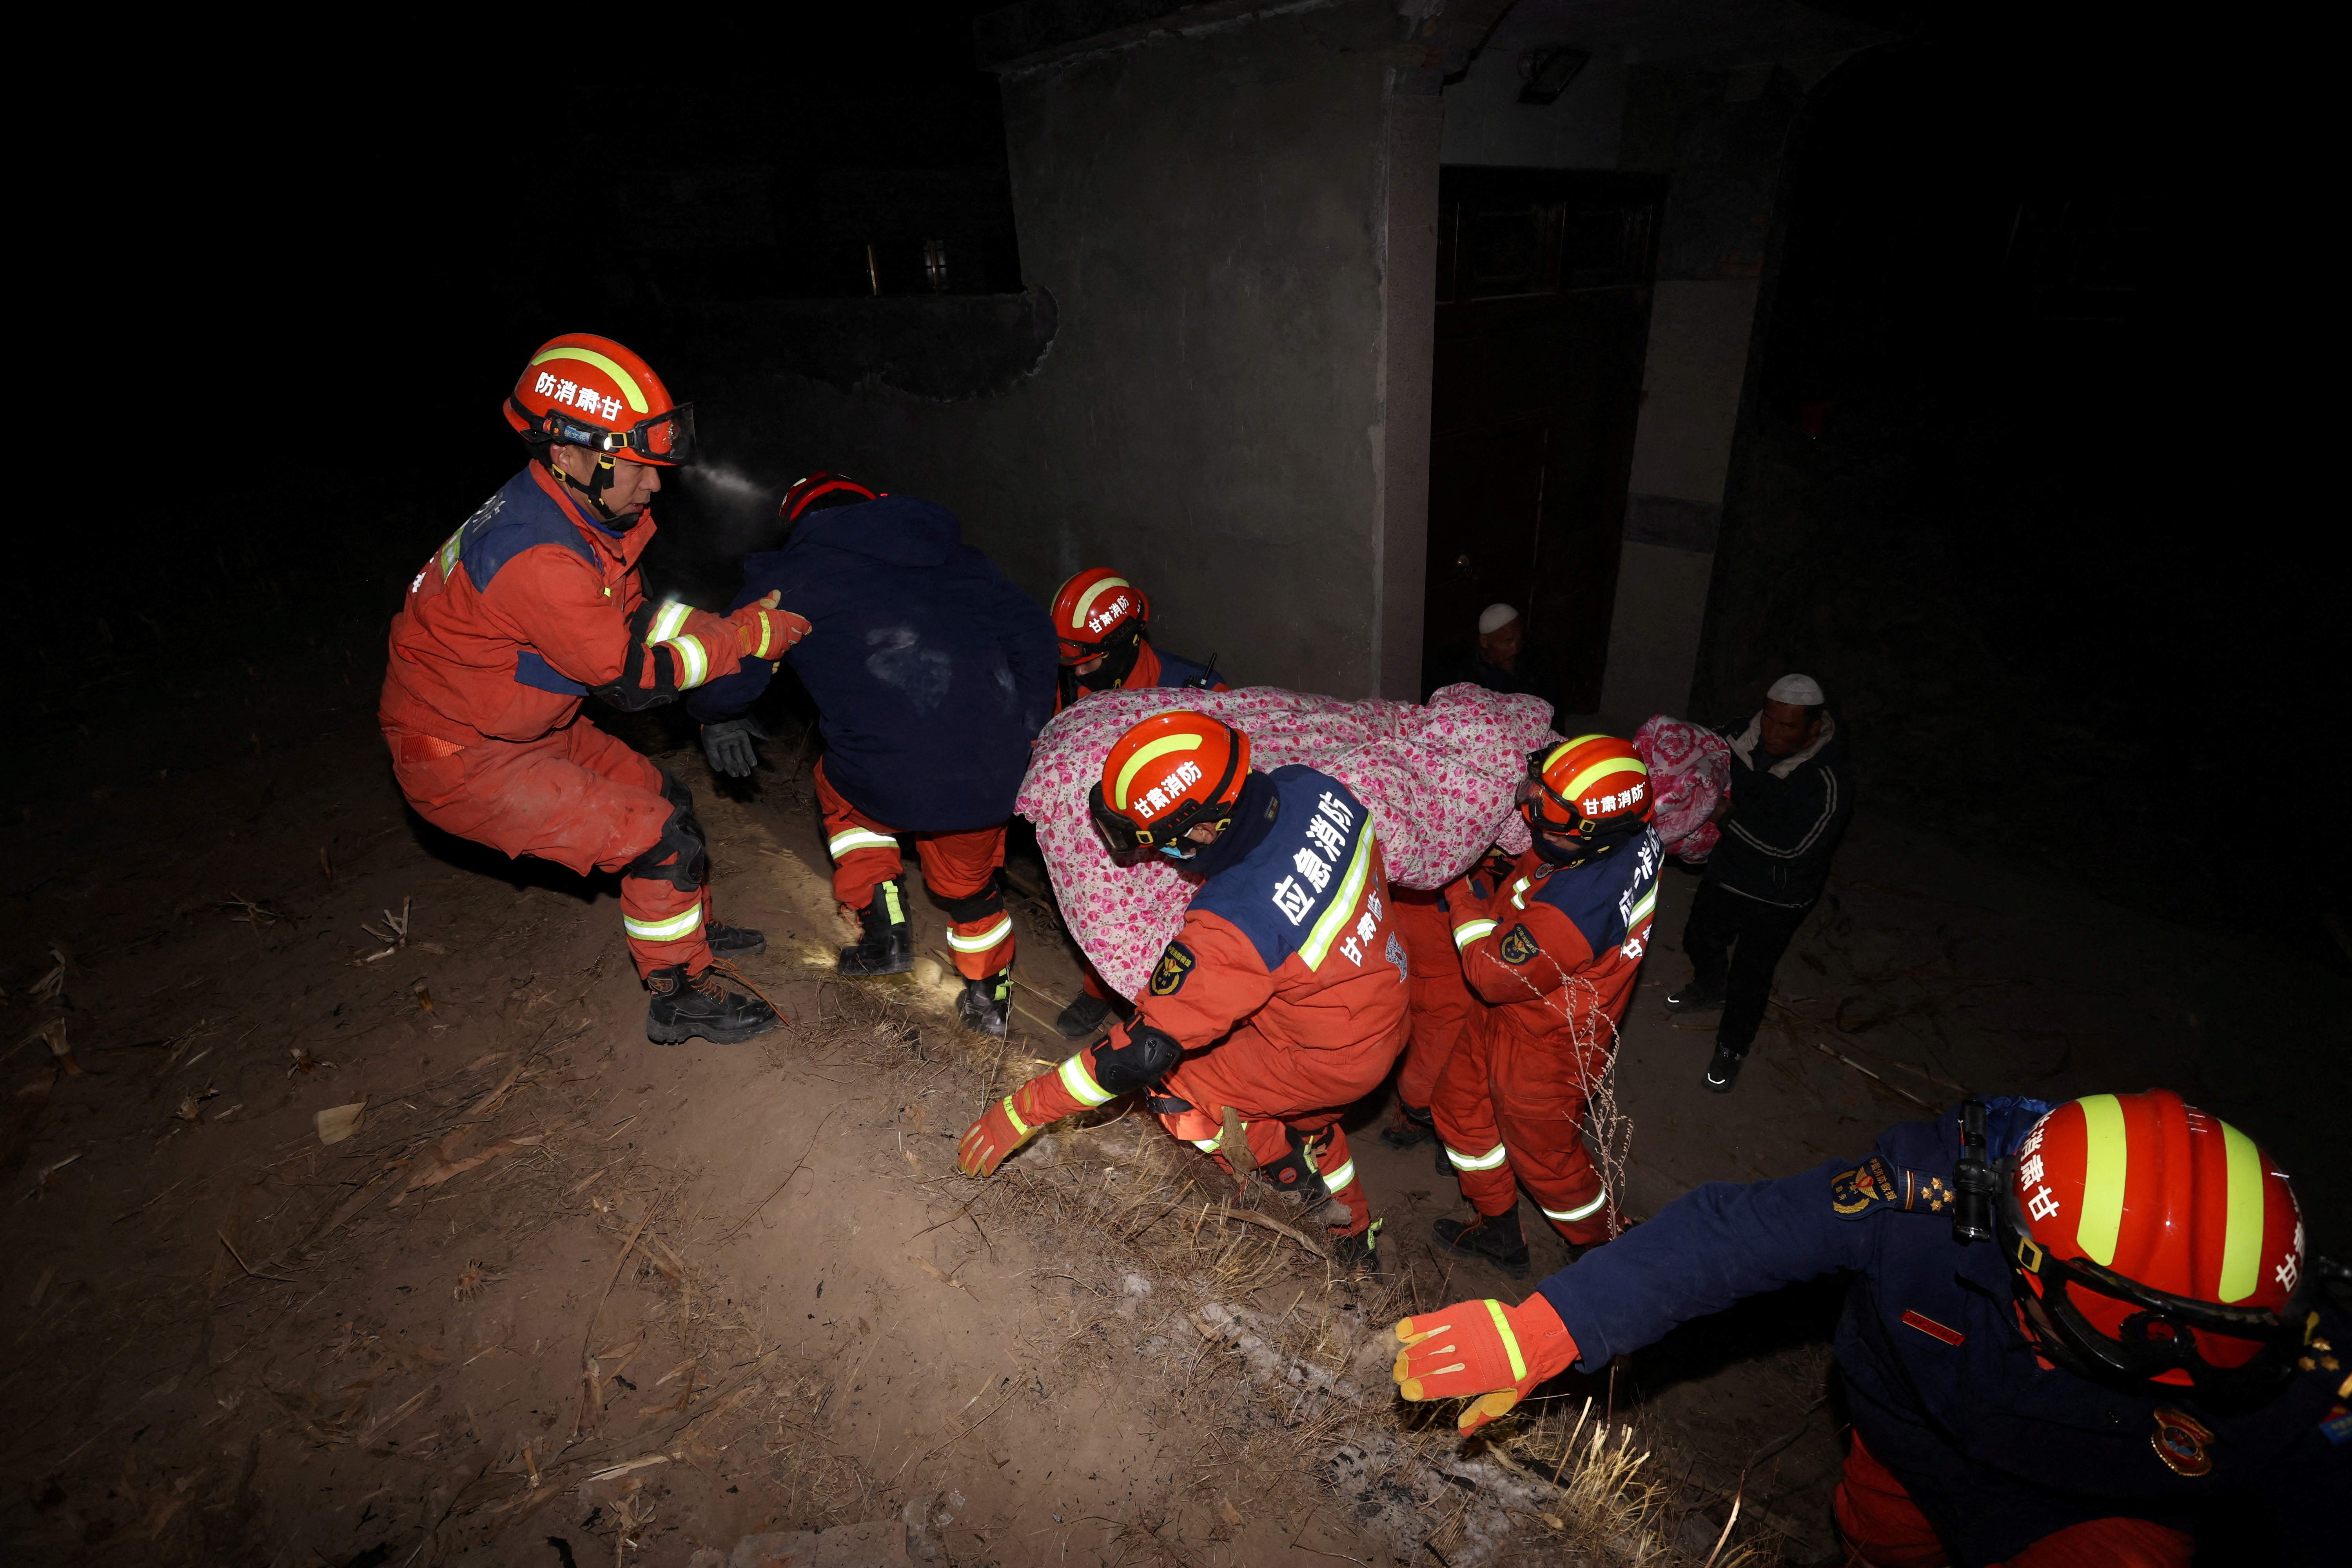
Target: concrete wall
[[1236, 226]]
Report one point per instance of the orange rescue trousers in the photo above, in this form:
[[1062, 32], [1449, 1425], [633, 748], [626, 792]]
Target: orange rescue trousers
[[957, 868], [1441, 1004], [575, 796], [1884, 1529], [1510, 1103]]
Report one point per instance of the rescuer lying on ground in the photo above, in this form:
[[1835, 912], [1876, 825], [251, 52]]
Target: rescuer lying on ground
[[1552, 941], [534, 604], [1280, 1002], [2142, 1359], [1102, 623], [932, 675]]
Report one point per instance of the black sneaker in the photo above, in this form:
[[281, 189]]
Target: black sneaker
[[986, 1005], [1412, 1125], [733, 942], [1693, 998], [887, 947], [1358, 1256], [1081, 1018], [687, 1006], [1496, 1238], [1723, 1072]]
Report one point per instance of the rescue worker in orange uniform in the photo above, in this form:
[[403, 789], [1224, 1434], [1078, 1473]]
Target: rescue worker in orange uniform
[[1102, 623], [533, 604], [2145, 1361], [1553, 941], [1440, 1014], [1281, 1000], [932, 674]]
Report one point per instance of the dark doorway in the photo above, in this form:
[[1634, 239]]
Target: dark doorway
[[1543, 316]]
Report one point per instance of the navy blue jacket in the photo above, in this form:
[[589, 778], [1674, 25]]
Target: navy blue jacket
[[931, 672], [1997, 1450]]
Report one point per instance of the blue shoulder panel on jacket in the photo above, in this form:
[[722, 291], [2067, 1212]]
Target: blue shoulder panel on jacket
[[1316, 857], [1605, 899], [519, 517], [531, 669]]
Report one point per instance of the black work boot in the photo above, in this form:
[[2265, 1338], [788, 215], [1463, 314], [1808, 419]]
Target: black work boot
[[986, 1005], [732, 942], [1412, 1125], [1495, 1237], [687, 1007], [1082, 1017], [887, 947], [1723, 1072], [1358, 1256]]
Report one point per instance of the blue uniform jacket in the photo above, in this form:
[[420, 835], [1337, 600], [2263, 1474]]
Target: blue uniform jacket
[[931, 671], [1997, 1450]]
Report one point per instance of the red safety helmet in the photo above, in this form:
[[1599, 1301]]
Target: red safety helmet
[[1588, 789], [805, 493], [585, 391], [1099, 611], [1168, 775], [2153, 1243]]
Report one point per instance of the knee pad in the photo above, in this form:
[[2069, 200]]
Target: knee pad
[[1148, 1053], [678, 855], [989, 901], [1296, 1172]]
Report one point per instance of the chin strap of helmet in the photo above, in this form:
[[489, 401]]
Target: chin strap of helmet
[[600, 479]]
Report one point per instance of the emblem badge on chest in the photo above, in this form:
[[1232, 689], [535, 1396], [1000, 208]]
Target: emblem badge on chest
[[2180, 1441]]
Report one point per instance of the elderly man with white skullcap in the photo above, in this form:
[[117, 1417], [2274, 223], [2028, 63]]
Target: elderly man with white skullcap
[[1792, 795], [1496, 662]]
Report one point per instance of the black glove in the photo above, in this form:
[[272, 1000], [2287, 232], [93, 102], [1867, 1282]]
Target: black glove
[[729, 746]]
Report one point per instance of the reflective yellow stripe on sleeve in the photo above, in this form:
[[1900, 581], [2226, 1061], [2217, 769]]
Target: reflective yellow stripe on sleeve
[[1510, 1339], [1015, 1117], [1078, 1078], [668, 621], [1337, 1180], [693, 663], [1469, 931]]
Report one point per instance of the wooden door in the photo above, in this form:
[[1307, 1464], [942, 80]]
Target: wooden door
[[1543, 318]]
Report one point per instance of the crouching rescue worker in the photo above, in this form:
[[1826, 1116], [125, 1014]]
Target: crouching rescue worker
[[1281, 1000], [532, 605], [931, 674], [1102, 623], [2140, 1361], [1553, 941]]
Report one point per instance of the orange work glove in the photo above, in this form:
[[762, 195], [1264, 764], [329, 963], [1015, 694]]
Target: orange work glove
[[1483, 1349], [1011, 1121], [765, 631]]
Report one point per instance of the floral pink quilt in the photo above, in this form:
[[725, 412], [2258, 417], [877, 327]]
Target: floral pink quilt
[[1438, 779], [1690, 769]]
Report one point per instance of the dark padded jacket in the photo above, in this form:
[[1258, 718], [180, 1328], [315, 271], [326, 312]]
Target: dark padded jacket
[[932, 673], [1997, 1448], [1787, 816]]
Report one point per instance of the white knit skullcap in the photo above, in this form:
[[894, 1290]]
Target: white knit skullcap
[[1800, 690], [1494, 617]]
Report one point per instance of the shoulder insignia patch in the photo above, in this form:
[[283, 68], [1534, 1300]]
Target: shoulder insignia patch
[[1932, 1329], [2179, 1441], [1175, 965], [1520, 946], [1869, 1185], [1923, 1194], [2338, 1426]]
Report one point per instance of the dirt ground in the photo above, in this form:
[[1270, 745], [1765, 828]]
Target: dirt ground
[[561, 1296]]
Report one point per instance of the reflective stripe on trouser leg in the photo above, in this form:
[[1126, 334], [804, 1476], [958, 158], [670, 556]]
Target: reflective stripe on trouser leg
[[1582, 1211], [664, 925], [982, 947], [1491, 1160]]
